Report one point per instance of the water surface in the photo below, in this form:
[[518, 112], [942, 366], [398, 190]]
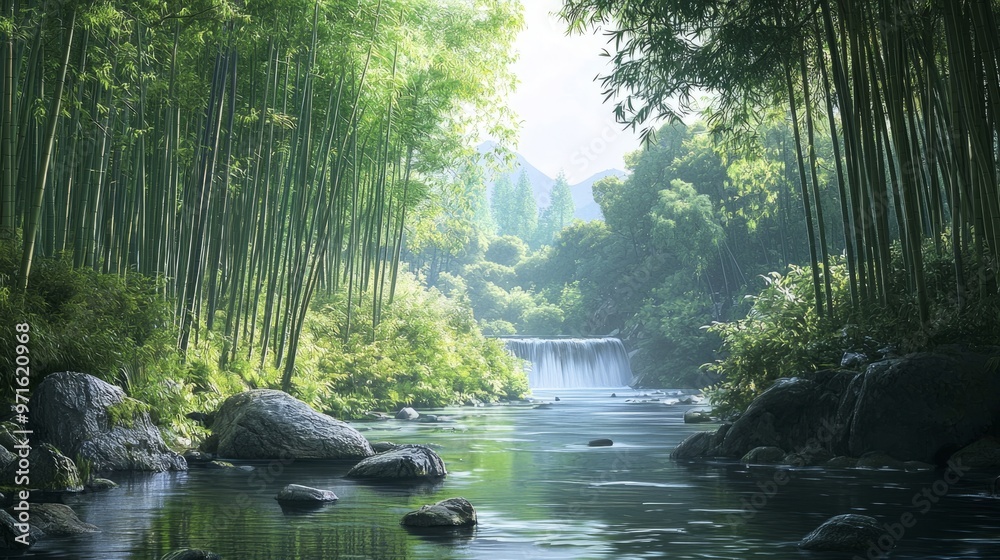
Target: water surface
[[540, 493]]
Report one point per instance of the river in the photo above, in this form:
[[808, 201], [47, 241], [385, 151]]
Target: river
[[540, 492]]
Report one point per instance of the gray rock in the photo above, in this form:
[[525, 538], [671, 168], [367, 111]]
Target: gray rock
[[50, 471], [601, 442], [190, 554], [100, 484], [853, 360], [694, 446], [925, 406], [983, 453], [86, 417], [453, 512], [58, 520], [405, 461], [764, 456], [841, 462], [12, 537], [193, 457], [696, 417], [879, 460], [269, 424], [407, 413], [297, 493], [383, 446], [843, 533]]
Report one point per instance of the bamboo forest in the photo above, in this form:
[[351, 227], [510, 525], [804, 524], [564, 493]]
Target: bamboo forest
[[299, 280]]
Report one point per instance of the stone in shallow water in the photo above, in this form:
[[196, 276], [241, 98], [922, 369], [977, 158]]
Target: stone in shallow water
[[764, 455], [453, 512], [10, 531], [304, 494], [600, 442], [59, 520], [405, 461], [407, 413], [190, 554], [100, 484], [847, 533]]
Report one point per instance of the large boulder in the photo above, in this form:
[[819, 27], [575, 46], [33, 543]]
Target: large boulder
[[269, 424], [792, 414], [403, 462], [694, 446], [58, 520], [88, 418], [925, 406], [844, 533], [983, 453], [453, 512], [48, 470]]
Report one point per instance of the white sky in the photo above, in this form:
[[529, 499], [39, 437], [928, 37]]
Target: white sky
[[565, 125]]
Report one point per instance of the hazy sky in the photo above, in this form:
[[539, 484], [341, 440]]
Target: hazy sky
[[565, 126]]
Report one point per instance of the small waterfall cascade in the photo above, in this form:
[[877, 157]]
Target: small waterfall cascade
[[573, 362]]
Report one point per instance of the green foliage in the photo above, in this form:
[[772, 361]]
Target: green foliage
[[427, 351], [781, 336], [126, 412], [506, 250], [81, 320]]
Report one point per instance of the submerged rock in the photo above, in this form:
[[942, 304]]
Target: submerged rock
[[85, 417], [841, 462], [269, 424], [49, 471], [696, 417], [58, 520], [100, 484], [190, 554], [453, 512], [296, 493], [405, 461], [601, 442], [844, 533], [764, 456], [879, 460]]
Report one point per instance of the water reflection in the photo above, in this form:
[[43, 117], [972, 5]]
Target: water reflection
[[540, 492]]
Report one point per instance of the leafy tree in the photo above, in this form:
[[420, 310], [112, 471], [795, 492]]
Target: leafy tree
[[558, 214]]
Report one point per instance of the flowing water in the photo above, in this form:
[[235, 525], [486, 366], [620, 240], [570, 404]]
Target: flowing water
[[541, 492], [558, 363]]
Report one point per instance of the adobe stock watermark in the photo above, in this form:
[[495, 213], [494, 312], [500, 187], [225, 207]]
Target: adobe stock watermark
[[768, 489], [922, 503], [22, 476]]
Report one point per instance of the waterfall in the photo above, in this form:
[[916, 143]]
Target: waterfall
[[573, 362]]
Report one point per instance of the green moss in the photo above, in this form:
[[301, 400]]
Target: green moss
[[126, 412]]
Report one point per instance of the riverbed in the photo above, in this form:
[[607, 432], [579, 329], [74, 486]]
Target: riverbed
[[540, 492]]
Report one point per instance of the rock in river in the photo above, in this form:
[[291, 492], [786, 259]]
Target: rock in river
[[846, 533], [58, 520], [190, 554], [600, 442], [269, 424], [407, 413], [298, 494], [86, 417], [453, 512], [405, 461]]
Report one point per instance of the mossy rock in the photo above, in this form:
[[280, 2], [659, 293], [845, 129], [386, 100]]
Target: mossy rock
[[50, 471], [127, 412]]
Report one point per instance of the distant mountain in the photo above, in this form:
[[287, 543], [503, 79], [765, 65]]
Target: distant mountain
[[583, 195], [541, 184]]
